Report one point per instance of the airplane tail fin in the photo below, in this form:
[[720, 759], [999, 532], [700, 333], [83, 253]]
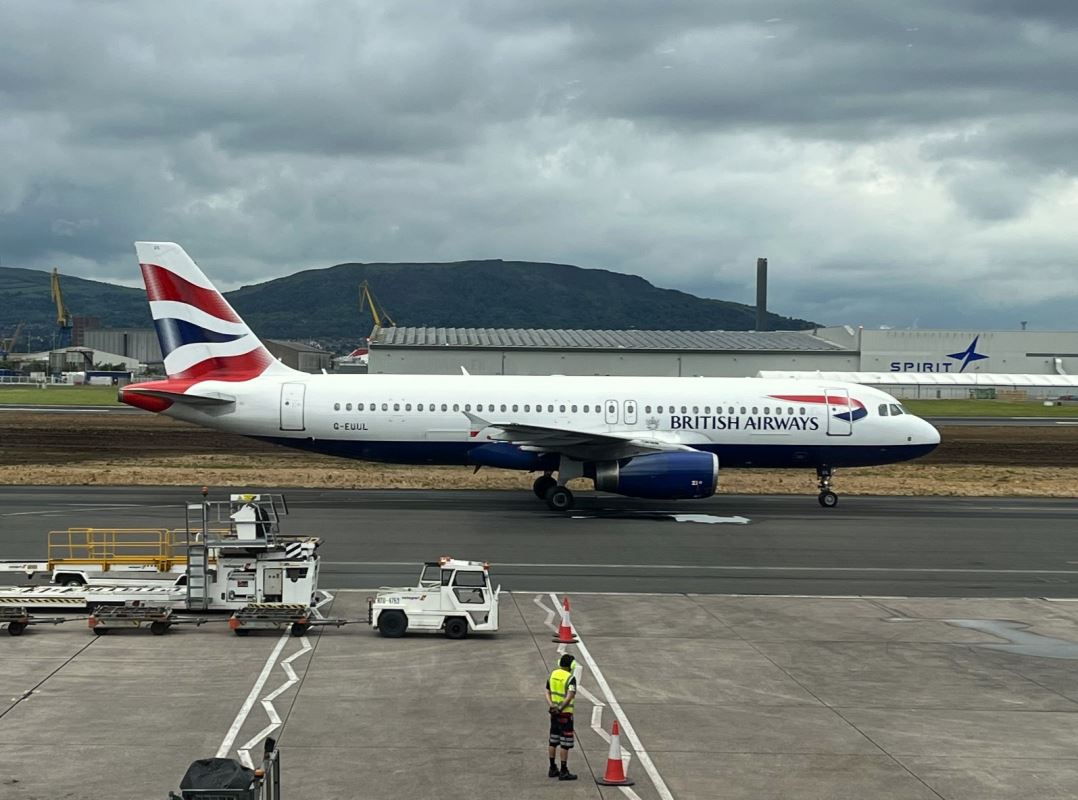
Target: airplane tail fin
[[202, 337]]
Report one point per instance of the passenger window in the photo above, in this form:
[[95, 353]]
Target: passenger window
[[883, 410], [742, 409], [612, 409], [895, 410], [336, 406], [527, 408], [659, 409], [385, 406], [445, 407], [359, 406], [516, 407], [573, 409], [790, 410], [503, 406], [755, 410], [550, 409], [767, 410], [407, 406], [696, 409], [419, 407], [456, 406], [802, 411], [561, 409], [707, 409]]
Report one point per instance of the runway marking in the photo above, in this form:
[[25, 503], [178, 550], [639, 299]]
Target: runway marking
[[248, 704], [267, 703], [623, 720], [735, 568], [83, 507]]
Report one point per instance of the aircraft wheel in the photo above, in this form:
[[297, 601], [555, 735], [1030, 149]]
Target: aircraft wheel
[[542, 485], [159, 628], [828, 499], [559, 499]]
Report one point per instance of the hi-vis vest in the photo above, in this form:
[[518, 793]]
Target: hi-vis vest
[[559, 684]]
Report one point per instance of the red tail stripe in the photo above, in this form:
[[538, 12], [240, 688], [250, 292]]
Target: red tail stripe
[[163, 284], [226, 368]]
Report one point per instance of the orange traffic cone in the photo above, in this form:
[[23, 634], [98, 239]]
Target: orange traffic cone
[[565, 630], [615, 769]]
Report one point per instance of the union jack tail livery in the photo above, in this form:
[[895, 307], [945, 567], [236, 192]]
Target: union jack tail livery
[[202, 337]]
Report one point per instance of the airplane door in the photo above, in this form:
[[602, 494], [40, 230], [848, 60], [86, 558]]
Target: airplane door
[[292, 406], [839, 412], [629, 412], [611, 412]]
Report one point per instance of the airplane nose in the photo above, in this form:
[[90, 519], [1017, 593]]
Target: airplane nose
[[928, 433]]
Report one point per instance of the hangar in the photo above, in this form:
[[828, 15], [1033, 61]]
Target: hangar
[[517, 351]]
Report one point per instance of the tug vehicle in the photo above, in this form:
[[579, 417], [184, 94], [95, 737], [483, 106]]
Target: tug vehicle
[[452, 596]]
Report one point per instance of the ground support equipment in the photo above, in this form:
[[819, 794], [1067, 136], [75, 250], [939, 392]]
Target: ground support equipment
[[17, 618], [298, 618], [265, 783], [158, 618]]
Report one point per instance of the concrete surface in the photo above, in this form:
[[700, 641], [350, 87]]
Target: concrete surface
[[905, 546], [732, 697]]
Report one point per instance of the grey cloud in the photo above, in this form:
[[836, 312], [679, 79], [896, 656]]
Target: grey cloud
[[887, 157]]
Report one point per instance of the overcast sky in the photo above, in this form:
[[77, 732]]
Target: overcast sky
[[901, 163]]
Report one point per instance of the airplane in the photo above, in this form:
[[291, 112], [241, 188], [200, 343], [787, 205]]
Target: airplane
[[648, 437]]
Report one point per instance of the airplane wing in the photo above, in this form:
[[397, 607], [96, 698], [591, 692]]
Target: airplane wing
[[582, 445]]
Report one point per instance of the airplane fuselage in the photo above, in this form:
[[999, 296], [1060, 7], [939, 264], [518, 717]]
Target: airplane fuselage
[[423, 419]]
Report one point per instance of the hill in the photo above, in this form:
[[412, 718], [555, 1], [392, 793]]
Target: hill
[[322, 304]]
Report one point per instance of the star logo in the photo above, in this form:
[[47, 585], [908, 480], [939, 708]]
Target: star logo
[[969, 355]]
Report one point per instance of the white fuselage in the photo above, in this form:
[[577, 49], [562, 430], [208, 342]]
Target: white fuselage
[[423, 418]]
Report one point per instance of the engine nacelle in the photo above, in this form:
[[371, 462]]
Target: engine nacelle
[[660, 476]]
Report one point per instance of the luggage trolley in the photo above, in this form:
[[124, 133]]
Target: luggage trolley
[[17, 618], [216, 779]]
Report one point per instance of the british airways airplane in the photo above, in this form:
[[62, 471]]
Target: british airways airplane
[[663, 438]]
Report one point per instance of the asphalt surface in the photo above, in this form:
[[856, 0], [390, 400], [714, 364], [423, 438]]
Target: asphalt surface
[[1002, 422], [782, 545]]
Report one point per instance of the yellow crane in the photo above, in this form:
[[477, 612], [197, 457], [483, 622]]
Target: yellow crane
[[63, 316], [8, 345], [380, 315]]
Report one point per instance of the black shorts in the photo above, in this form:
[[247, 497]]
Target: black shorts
[[561, 731]]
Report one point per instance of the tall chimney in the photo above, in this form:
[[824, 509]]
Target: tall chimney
[[761, 294]]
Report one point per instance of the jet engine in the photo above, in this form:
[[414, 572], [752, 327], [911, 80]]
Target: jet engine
[[660, 476]]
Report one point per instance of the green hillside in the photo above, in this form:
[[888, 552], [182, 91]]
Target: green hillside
[[323, 304]]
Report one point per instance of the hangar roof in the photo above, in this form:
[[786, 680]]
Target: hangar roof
[[561, 339]]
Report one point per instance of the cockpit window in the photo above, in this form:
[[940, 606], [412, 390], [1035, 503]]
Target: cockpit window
[[896, 410], [883, 409]]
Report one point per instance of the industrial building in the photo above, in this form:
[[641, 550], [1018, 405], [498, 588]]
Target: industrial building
[[298, 355], [139, 344], [488, 351], [497, 351]]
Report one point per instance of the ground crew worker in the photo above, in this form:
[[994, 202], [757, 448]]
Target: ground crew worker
[[560, 693]]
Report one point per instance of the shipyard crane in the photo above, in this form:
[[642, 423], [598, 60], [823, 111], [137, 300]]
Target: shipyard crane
[[8, 345], [378, 312], [63, 316]]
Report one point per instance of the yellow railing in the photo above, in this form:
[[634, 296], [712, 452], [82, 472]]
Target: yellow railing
[[158, 547]]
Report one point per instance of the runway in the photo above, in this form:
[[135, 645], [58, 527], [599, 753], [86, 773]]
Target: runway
[[1001, 422], [777, 545]]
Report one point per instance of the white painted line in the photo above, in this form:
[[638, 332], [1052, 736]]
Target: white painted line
[[248, 704], [267, 704], [750, 568]]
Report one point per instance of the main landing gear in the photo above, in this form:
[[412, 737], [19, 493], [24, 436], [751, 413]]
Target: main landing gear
[[827, 498], [558, 498]]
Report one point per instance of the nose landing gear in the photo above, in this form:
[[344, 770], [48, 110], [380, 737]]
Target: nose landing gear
[[827, 498]]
